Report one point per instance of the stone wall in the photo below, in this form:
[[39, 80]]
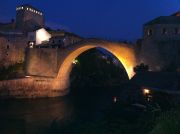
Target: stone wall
[[26, 19], [160, 54], [41, 62], [160, 49], [29, 88], [157, 32], [9, 54]]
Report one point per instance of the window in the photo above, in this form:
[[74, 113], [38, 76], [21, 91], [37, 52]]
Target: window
[[164, 31], [149, 32]]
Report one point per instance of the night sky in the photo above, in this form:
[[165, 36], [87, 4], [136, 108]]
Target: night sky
[[109, 19]]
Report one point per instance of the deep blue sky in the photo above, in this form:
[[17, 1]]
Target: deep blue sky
[[111, 19]]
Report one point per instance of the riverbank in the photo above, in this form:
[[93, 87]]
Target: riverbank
[[29, 88]]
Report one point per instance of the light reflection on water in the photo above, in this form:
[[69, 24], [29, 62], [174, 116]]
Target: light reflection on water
[[65, 114], [30, 116]]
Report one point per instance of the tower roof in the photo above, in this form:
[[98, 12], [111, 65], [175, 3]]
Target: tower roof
[[177, 14], [30, 6], [172, 19]]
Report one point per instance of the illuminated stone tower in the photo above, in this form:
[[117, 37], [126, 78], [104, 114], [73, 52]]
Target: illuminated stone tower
[[28, 18]]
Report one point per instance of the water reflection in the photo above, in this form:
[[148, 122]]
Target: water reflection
[[84, 109], [42, 116], [33, 116]]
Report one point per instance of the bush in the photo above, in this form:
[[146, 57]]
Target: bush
[[141, 68], [168, 123]]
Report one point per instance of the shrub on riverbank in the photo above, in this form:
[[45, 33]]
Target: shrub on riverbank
[[168, 123]]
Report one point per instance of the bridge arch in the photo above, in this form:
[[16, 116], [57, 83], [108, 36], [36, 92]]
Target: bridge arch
[[121, 51]]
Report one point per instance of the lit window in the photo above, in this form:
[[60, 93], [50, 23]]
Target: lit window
[[27, 8], [22, 7]]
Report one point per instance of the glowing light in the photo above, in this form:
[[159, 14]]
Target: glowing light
[[146, 91], [114, 99], [75, 61], [42, 35], [31, 44], [27, 76]]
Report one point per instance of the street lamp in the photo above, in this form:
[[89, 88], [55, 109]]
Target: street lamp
[[147, 94]]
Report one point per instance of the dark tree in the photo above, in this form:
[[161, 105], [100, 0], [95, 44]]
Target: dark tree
[[141, 68]]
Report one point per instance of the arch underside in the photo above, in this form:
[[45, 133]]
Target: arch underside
[[123, 53]]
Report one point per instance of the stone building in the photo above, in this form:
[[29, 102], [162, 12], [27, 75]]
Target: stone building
[[62, 38], [52, 38], [160, 46], [29, 18], [13, 35], [26, 30]]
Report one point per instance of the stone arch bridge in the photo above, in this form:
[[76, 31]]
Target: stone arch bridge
[[54, 65]]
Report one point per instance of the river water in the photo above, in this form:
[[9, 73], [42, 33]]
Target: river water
[[38, 115], [79, 108]]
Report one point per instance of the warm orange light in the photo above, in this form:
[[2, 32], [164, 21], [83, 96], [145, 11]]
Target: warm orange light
[[146, 91], [124, 54]]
